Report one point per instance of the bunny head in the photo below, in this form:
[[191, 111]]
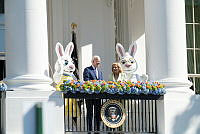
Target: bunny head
[[127, 60], [64, 64]]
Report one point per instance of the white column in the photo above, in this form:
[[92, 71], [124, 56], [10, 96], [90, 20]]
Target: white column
[[165, 32], [26, 45], [27, 70], [166, 42]]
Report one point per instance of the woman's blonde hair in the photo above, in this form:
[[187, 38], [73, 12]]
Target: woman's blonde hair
[[119, 66]]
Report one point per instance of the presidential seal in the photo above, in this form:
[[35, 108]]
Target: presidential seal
[[113, 114]]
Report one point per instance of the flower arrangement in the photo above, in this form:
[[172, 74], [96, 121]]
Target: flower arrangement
[[111, 87]]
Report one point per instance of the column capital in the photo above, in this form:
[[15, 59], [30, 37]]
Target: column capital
[[29, 81], [177, 85], [175, 82]]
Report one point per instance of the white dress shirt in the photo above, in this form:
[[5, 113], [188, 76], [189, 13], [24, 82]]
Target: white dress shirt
[[95, 71]]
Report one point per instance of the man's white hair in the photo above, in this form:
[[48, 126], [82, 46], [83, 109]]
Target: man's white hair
[[95, 57]]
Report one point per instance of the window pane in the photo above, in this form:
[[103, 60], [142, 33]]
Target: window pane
[[197, 85], [188, 11], [197, 11], [2, 69], [189, 35], [1, 6], [190, 59], [198, 61], [197, 36], [2, 41], [191, 79]]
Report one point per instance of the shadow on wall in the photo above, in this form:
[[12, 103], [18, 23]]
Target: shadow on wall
[[56, 98], [138, 19], [29, 119], [188, 122]]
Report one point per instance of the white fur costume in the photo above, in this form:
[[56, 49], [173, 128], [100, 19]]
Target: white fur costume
[[64, 69], [128, 62], [64, 65]]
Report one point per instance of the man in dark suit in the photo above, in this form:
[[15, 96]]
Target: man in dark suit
[[92, 73]]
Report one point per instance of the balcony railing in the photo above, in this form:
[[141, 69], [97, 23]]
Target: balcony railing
[[141, 112]]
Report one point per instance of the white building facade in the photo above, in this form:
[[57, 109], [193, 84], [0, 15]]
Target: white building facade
[[32, 28]]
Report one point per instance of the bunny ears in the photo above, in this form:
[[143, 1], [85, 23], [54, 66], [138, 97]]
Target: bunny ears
[[121, 52], [68, 50]]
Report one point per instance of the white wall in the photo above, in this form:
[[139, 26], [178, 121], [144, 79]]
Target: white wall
[[55, 29], [95, 22], [137, 32], [179, 113], [19, 112]]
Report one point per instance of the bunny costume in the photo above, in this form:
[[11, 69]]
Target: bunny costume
[[64, 69], [128, 62]]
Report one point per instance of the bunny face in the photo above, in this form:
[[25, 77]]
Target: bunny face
[[127, 59], [65, 64], [128, 63]]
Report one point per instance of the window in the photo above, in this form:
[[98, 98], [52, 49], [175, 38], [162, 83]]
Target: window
[[2, 42], [1, 6], [192, 11], [3, 69]]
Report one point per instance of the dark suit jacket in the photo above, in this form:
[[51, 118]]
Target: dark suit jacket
[[90, 74]]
